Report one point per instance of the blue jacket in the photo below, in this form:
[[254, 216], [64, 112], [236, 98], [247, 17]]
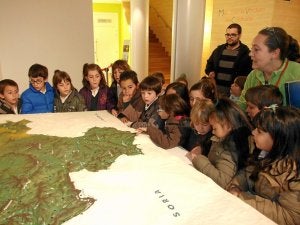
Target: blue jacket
[[34, 101]]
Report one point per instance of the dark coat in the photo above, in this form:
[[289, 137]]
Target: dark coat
[[146, 115], [73, 103], [242, 65], [104, 98]]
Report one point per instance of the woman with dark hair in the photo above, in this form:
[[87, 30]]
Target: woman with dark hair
[[269, 62], [272, 186]]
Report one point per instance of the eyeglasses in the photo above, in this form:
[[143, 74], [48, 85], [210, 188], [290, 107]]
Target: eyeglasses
[[36, 81], [231, 35], [272, 31]]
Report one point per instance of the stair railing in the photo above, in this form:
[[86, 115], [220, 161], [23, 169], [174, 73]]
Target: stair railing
[[161, 18]]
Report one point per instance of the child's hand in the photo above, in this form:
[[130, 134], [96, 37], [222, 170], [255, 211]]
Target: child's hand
[[141, 130], [114, 112], [190, 156], [234, 189], [197, 150], [194, 153], [124, 120]]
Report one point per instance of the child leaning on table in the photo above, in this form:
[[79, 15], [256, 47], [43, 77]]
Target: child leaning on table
[[67, 98], [229, 149], [200, 138], [150, 88], [39, 97], [174, 110], [273, 185], [9, 97], [130, 103]]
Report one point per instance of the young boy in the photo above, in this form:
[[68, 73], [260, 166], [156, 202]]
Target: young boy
[[130, 103], [9, 97], [38, 98], [262, 96], [237, 87], [150, 89]]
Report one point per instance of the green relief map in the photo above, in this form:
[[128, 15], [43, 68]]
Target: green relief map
[[35, 187]]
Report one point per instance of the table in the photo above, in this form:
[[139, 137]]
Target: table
[[144, 185]]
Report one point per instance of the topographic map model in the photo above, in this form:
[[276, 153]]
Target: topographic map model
[[35, 187]]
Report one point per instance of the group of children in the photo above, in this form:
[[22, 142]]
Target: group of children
[[255, 156]]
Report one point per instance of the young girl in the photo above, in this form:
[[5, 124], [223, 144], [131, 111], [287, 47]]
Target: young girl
[[180, 89], [204, 89], [173, 110], [257, 98], [273, 186], [118, 67], [130, 103], [150, 89], [199, 139], [66, 98], [229, 150], [9, 97], [95, 92]]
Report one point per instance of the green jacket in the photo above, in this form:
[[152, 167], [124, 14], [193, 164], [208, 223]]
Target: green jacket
[[256, 77], [74, 103]]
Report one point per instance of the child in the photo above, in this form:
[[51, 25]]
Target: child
[[39, 97], [237, 87], [130, 104], [67, 98], [173, 110], [118, 67], [257, 98], [273, 186], [199, 139], [182, 79], [150, 89], [204, 89], [95, 92], [229, 150], [9, 97], [260, 96], [180, 89], [161, 77]]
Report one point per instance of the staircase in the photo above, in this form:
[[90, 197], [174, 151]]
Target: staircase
[[159, 61]]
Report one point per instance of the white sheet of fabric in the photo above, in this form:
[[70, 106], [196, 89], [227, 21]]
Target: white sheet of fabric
[[157, 188]]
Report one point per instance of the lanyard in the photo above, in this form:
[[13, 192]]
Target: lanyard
[[281, 74]]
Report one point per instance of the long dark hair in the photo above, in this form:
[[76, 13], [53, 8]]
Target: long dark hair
[[283, 124], [228, 111], [85, 71], [276, 38]]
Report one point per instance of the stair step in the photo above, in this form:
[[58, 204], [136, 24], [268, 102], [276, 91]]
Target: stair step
[[159, 61]]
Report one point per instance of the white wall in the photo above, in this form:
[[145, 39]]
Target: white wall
[[54, 33]]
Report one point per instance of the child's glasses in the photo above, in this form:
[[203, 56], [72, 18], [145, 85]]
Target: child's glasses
[[35, 81]]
